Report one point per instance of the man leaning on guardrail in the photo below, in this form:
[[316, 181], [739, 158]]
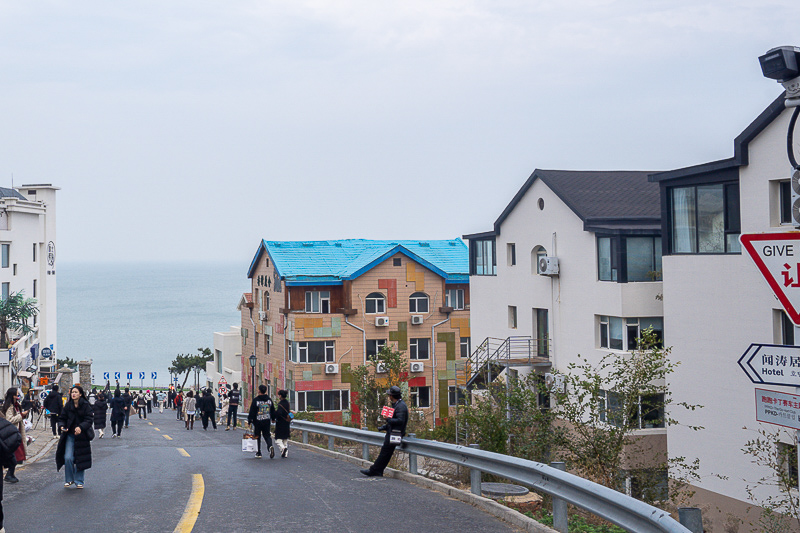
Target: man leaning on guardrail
[[395, 427]]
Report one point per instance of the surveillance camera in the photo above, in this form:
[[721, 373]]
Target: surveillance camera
[[783, 64]]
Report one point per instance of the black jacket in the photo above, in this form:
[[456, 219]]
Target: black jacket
[[282, 420], [100, 408], [262, 411], [53, 403], [398, 421], [207, 404], [72, 417], [118, 406]]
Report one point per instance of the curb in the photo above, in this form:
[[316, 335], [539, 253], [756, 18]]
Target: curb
[[506, 514], [41, 453]]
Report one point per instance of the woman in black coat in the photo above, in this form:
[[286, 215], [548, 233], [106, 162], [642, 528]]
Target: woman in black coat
[[74, 450], [119, 408], [100, 409], [283, 419]]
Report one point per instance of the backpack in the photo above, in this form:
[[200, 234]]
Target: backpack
[[10, 440]]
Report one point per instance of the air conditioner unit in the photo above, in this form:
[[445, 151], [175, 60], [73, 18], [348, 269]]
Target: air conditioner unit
[[417, 319], [417, 367], [548, 266], [381, 321], [380, 368], [262, 315], [331, 368]]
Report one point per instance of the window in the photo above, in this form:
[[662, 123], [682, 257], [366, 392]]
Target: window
[[454, 298], [456, 396], [6, 290], [542, 332], [512, 316], [418, 348], [316, 352], [705, 219], [218, 357], [623, 334], [418, 303], [6, 253], [787, 461], [318, 301], [647, 484], [34, 252], [785, 188], [266, 300], [420, 397], [787, 329], [465, 351], [375, 303], [648, 413], [374, 346], [396, 261], [34, 288], [536, 254], [511, 254], [625, 259], [329, 400], [482, 257]]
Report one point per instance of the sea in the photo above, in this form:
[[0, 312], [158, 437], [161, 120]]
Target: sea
[[137, 317]]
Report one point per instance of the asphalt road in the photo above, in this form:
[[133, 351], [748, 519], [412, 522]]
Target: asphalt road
[[144, 481]]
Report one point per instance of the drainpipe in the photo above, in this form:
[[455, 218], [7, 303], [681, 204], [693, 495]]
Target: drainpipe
[[433, 363], [363, 337]]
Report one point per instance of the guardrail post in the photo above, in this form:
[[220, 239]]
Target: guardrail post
[[560, 523], [330, 443], [365, 448], [691, 518], [412, 458], [475, 475], [305, 437]]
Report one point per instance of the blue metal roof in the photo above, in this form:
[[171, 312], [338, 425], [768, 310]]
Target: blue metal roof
[[331, 262]]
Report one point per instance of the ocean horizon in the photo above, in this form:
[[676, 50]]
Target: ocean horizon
[[137, 317]]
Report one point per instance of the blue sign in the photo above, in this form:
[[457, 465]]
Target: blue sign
[[141, 375], [116, 375], [153, 375], [130, 375], [175, 379], [105, 375], [47, 353]]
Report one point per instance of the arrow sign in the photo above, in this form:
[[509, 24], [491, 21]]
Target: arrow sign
[[777, 256], [141, 375], [105, 375], [116, 375], [153, 375], [772, 364]]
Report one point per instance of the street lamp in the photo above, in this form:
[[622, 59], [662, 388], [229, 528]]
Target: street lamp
[[253, 375]]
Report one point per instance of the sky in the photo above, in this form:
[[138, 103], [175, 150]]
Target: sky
[[191, 130]]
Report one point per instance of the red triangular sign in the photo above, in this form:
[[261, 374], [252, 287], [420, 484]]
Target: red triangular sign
[[777, 256]]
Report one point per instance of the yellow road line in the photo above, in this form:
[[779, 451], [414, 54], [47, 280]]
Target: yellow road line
[[167, 437], [157, 429], [192, 510], [183, 452], [150, 423]]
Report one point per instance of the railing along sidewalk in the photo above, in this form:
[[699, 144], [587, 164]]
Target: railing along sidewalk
[[620, 509]]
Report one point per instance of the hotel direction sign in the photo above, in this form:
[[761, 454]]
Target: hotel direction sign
[[778, 408], [772, 364]]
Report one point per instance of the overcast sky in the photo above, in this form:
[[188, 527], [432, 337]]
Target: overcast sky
[[190, 130]]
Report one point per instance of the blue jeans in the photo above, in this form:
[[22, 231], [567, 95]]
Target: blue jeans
[[71, 475]]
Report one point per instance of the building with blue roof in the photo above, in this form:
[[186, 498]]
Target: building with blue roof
[[319, 309]]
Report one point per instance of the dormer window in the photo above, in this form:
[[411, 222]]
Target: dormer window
[[704, 219]]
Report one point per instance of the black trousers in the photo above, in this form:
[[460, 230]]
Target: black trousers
[[206, 415], [232, 411], [262, 430], [143, 412], [383, 458], [54, 424], [116, 427]]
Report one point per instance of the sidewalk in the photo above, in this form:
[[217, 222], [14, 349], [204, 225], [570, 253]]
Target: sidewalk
[[44, 440]]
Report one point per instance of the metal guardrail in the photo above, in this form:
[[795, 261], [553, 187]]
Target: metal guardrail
[[620, 509]]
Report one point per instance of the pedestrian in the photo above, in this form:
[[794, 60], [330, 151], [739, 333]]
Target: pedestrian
[[74, 450], [179, 404], [10, 437], [283, 419], [396, 423], [30, 403], [234, 396], [92, 396], [12, 411], [162, 400], [129, 404], [262, 412], [223, 410], [52, 405], [100, 409], [189, 405], [118, 411], [148, 398], [141, 405], [207, 407]]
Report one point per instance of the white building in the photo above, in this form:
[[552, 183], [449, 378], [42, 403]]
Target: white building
[[716, 303], [28, 255], [227, 361]]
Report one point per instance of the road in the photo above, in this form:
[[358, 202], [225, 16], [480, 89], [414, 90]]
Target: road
[[145, 481]]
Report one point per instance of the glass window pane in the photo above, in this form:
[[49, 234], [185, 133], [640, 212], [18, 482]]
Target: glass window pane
[[683, 220], [640, 263], [314, 400], [369, 306], [604, 259], [345, 400], [316, 352], [604, 335], [301, 401], [615, 333], [710, 219], [633, 335]]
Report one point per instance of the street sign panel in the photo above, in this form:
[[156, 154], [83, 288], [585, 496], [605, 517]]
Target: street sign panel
[[778, 408], [777, 256], [222, 381], [116, 375], [772, 364], [47, 353], [105, 375], [141, 375], [43, 395], [175, 379], [223, 390], [130, 375], [153, 375]]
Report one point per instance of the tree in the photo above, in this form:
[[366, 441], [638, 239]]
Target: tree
[[15, 311], [190, 362], [68, 362], [369, 385]]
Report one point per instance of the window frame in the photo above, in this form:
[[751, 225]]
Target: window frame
[[379, 344], [415, 300], [375, 300], [731, 215], [319, 300], [5, 255], [465, 342], [325, 396], [414, 346], [456, 394], [459, 299], [607, 324], [328, 352], [483, 257], [416, 394]]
